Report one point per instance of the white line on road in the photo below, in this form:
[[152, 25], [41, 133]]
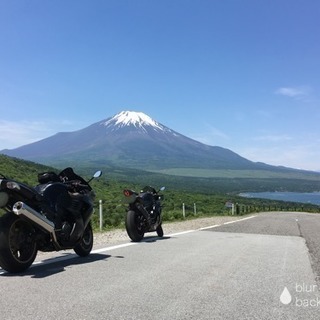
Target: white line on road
[[219, 225], [114, 247], [233, 221], [169, 235], [101, 250]]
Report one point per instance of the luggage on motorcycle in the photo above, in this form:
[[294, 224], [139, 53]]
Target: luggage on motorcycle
[[46, 177]]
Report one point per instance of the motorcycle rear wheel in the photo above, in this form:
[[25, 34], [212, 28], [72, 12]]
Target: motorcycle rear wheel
[[18, 248], [84, 247], [134, 225]]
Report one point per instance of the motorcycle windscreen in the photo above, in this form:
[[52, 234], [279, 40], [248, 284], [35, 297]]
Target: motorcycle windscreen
[[148, 199]]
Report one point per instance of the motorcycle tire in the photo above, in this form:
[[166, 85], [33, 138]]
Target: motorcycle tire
[[159, 231], [18, 248], [134, 225], [84, 247]]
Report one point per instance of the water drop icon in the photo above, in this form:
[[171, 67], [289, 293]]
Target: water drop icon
[[285, 297]]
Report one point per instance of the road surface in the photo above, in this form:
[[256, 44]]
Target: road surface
[[262, 267]]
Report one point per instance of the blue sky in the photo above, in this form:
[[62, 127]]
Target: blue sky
[[241, 74]]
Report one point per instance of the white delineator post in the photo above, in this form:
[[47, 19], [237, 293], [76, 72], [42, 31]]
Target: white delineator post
[[100, 214]]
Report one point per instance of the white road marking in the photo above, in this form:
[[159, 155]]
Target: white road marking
[[233, 221], [119, 246]]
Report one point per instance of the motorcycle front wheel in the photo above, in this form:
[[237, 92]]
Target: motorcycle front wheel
[[84, 247], [159, 231], [18, 248], [134, 225]]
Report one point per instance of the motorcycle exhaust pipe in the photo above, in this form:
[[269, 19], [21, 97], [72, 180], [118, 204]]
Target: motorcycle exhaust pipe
[[20, 208]]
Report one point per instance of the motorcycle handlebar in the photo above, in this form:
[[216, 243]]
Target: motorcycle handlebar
[[77, 184]]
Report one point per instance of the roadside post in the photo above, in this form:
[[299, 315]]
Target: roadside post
[[100, 214], [230, 205]]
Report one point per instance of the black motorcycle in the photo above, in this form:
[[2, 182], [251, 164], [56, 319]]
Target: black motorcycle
[[144, 212], [55, 215]]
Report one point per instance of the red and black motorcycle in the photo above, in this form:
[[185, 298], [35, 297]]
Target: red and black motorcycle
[[144, 212], [54, 215]]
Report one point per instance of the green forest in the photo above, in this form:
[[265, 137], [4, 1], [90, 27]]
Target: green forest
[[200, 197]]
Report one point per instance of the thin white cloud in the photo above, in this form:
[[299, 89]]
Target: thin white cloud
[[16, 134], [299, 156], [294, 92]]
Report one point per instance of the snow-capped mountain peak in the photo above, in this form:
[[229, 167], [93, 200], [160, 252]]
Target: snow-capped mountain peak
[[137, 119], [130, 139]]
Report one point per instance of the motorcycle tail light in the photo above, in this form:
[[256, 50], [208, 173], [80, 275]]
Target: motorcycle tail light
[[127, 193], [4, 197], [129, 196]]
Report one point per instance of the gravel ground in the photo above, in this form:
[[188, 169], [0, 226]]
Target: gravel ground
[[120, 235]]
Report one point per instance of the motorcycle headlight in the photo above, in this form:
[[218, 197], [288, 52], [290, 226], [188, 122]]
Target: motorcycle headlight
[[4, 197]]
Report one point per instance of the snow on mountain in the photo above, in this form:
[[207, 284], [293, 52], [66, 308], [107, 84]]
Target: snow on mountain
[[137, 119]]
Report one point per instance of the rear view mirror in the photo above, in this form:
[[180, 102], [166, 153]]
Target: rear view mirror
[[97, 174]]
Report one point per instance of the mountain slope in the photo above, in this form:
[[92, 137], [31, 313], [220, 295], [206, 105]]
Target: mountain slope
[[133, 140]]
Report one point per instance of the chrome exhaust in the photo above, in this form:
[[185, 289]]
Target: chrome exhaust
[[20, 208]]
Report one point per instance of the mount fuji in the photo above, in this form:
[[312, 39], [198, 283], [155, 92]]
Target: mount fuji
[[133, 140]]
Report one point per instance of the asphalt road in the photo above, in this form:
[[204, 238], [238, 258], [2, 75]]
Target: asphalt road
[[296, 224], [265, 267]]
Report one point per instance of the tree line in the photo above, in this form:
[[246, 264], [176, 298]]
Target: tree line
[[194, 194]]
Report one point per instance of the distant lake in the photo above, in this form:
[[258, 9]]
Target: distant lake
[[311, 198]]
